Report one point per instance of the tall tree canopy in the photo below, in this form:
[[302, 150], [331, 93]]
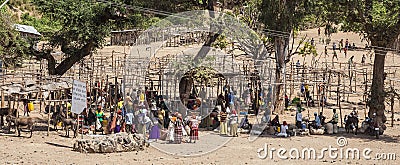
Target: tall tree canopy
[[281, 18], [379, 22], [84, 27], [79, 27]]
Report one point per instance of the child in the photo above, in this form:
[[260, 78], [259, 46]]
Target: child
[[194, 129], [234, 124], [118, 122]]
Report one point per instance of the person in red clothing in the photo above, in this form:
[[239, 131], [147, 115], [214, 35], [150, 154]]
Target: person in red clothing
[[194, 129]]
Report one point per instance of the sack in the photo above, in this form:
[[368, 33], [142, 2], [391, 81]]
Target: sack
[[228, 110], [184, 133], [187, 128], [98, 124], [30, 106]]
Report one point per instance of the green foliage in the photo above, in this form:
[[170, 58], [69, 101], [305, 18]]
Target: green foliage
[[81, 22], [378, 20], [284, 15], [221, 42], [44, 25], [250, 13], [12, 46], [308, 49], [202, 74]]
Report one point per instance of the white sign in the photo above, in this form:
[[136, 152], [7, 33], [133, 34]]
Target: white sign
[[78, 97]]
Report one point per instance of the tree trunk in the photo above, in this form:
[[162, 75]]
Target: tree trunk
[[281, 45], [377, 99], [211, 36], [185, 87], [206, 47]]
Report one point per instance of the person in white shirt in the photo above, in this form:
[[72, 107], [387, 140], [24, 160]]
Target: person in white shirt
[[234, 122], [284, 127]]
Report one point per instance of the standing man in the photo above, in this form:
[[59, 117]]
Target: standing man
[[334, 55], [335, 120], [350, 67], [334, 46], [326, 51], [298, 66], [319, 31], [307, 89], [363, 59], [299, 116]]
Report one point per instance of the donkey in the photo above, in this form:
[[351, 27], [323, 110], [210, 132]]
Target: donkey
[[5, 112], [73, 123], [29, 122]]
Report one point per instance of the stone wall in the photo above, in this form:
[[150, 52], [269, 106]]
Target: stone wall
[[120, 142]]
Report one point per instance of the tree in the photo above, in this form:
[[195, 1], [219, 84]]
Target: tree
[[379, 22], [281, 18], [84, 26], [212, 37], [12, 45]]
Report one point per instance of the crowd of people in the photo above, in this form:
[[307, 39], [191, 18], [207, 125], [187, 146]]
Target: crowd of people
[[145, 114]]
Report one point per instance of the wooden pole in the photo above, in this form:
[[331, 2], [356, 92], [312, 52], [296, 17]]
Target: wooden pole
[[365, 91], [116, 94], [2, 90], [391, 107], [323, 98], [329, 82], [48, 119], [292, 80], [340, 107], [355, 78], [40, 100]]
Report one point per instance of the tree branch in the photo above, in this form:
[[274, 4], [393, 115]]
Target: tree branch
[[66, 64]]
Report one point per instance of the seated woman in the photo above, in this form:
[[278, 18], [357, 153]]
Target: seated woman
[[275, 121], [284, 127], [245, 124]]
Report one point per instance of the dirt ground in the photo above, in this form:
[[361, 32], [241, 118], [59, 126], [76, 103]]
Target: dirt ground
[[56, 149]]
